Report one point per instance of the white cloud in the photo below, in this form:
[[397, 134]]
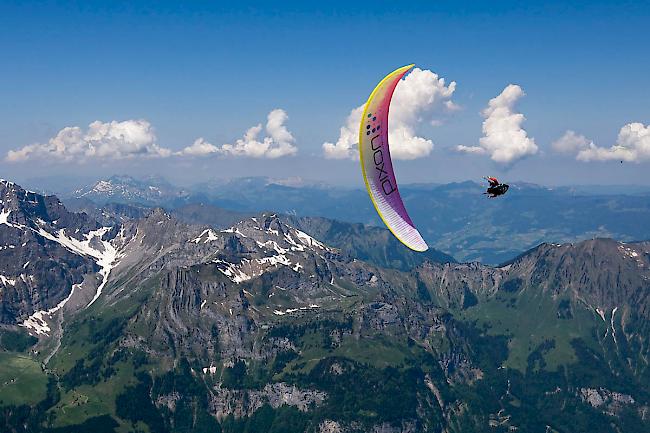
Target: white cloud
[[451, 105], [632, 145], [471, 149], [571, 142], [503, 139], [414, 99], [200, 147], [346, 145], [111, 140], [277, 143], [276, 129]]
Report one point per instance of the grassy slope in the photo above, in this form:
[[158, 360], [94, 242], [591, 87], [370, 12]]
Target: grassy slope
[[82, 338], [85, 401], [530, 318], [21, 379]]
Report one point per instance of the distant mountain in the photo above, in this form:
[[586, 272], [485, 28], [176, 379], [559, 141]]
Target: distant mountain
[[109, 214], [150, 191], [264, 326], [202, 214], [257, 194], [455, 218]]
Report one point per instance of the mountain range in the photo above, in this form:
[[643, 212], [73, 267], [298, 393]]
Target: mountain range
[[455, 218], [131, 318]]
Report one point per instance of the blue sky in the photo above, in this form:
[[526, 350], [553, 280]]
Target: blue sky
[[202, 69]]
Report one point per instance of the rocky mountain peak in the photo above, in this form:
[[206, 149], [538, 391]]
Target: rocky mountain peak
[[158, 214], [28, 209], [271, 228], [43, 253], [27, 205], [604, 273]]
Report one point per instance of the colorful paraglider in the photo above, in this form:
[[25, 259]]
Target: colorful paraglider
[[377, 166]]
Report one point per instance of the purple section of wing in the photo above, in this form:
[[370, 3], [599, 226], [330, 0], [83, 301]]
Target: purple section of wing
[[378, 167]]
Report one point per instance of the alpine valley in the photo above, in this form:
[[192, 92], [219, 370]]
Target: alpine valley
[[130, 318]]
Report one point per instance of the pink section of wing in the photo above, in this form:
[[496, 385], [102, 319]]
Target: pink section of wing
[[378, 167]]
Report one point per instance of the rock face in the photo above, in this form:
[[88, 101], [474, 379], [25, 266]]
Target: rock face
[[610, 402], [329, 426], [243, 403], [39, 252], [590, 269]]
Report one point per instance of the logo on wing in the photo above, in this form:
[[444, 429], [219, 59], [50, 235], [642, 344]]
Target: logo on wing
[[377, 146]]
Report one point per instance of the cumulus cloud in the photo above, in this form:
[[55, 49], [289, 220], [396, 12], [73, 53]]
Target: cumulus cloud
[[414, 99], [346, 145], [277, 142], [200, 147], [110, 140], [571, 142], [632, 145], [503, 139]]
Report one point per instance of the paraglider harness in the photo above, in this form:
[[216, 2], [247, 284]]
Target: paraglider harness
[[495, 189]]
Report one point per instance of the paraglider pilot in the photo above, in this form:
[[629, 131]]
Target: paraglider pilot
[[495, 189]]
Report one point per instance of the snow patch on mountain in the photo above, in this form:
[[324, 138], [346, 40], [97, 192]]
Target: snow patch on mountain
[[612, 325], [211, 369], [231, 271], [272, 244], [208, 235], [4, 217], [37, 321], [294, 310], [309, 241], [278, 245], [234, 230], [107, 261], [625, 250], [105, 254], [7, 281]]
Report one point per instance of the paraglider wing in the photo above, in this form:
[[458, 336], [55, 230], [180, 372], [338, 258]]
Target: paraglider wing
[[377, 167]]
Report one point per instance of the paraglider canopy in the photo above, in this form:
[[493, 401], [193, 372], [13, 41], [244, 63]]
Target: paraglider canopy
[[377, 166]]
